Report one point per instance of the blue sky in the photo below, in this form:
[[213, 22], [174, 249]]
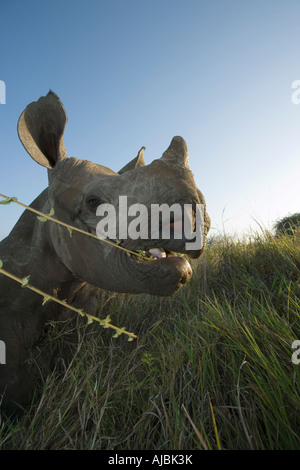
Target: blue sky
[[133, 73]]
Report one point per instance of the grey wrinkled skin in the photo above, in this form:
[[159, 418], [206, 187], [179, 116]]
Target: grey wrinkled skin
[[57, 262]]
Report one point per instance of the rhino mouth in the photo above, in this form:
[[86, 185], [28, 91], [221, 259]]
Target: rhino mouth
[[157, 253], [160, 253], [151, 267], [164, 271], [154, 253]]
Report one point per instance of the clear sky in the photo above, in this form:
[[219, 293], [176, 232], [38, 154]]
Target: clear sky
[[137, 72]]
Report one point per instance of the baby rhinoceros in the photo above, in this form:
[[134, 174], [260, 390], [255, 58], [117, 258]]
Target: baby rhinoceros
[[56, 261]]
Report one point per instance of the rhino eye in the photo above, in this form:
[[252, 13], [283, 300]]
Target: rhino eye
[[94, 202]]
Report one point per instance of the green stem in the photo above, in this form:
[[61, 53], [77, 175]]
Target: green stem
[[61, 302], [71, 227]]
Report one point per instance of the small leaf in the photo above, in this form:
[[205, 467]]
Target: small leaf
[[9, 200], [1, 263], [42, 218], [119, 332], [51, 213], [90, 320], [141, 254], [70, 231], [25, 281], [81, 313], [118, 242], [131, 338], [45, 300]]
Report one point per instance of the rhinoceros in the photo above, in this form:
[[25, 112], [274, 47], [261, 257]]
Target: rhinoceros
[[57, 262]]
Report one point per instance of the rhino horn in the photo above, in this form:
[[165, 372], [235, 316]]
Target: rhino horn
[[41, 127], [137, 161], [177, 153]]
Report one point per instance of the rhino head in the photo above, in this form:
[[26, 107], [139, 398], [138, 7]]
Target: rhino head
[[77, 188]]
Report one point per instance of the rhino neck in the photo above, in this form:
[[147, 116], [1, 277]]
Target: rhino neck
[[28, 250]]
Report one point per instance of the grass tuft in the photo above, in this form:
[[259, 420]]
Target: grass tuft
[[211, 368]]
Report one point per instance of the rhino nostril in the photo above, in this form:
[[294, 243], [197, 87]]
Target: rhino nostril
[[183, 280]]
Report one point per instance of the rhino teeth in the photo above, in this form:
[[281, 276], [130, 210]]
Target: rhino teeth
[[157, 252]]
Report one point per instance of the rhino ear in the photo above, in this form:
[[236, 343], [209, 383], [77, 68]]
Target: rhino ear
[[41, 127], [137, 161]]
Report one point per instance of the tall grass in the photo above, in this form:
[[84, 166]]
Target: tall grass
[[211, 368]]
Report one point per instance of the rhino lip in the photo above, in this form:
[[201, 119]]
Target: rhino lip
[[163, 270], [162, 256]]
